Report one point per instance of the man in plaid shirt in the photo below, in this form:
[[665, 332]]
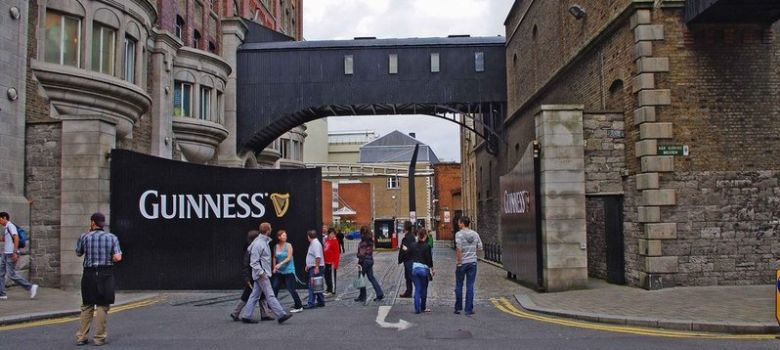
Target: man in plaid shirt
[[100, 250]]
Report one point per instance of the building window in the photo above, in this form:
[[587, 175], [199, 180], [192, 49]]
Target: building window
[[195, 38], [220, 108], [130, 44], [63, 39], [393, 64], [348, 62], [205, 103], [434, 62], [392, 183], [479, 61], [103, 48], [179, 27], [295, 150], [284, 148], [212, 47], [182, 99]]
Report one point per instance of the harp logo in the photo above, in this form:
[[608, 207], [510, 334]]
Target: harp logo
[[281, 203]]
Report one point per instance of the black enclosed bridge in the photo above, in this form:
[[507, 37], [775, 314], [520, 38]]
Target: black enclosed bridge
[[283, 84]]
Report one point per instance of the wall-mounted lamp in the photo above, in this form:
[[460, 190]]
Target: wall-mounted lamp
[[12, 94], [577, 11], [14, 12]]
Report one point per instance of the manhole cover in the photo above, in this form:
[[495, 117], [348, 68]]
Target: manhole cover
[[458, 334]]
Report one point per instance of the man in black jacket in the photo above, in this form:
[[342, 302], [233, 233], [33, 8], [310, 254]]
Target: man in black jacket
[[403, 257]]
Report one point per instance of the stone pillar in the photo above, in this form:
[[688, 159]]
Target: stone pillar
[[559, 130], [86, 172], [163, 53], [13, 58], [233, 33]]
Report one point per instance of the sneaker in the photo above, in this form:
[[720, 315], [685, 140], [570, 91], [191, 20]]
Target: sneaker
[[3, 297], [234, 317], [82, 342], [405, 295], [321, 305], [379, 298], [248, 320], [266, 318], [295, 311], [284, 318], [457, 312], [359, 300], [33, 291], [469, 313], [99, 343]]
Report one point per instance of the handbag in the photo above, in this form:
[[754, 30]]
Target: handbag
[[360, 280]]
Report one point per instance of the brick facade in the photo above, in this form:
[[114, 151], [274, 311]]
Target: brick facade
[[701, 219], [447, 179], [358, 197]]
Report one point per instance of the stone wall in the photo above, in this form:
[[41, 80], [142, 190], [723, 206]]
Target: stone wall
[[728, 224], [43, 160]]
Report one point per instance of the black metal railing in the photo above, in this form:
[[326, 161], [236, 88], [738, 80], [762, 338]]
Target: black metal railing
[[493, 252]]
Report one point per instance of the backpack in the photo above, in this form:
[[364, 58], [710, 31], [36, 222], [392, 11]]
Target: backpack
[[22, 237]]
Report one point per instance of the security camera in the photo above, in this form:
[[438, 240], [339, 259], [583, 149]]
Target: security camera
[[577, 11]]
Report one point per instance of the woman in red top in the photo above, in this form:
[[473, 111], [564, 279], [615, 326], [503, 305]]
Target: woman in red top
[[332, 254]]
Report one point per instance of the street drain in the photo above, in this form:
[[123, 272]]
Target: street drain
[[458, 334]]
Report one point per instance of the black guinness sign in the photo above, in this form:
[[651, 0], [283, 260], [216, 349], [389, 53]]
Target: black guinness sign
[[183, 226]]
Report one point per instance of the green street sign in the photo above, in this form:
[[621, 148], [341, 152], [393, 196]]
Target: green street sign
[[673, 150]]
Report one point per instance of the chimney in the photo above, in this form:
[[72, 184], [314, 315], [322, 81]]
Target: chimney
[[413, 135]]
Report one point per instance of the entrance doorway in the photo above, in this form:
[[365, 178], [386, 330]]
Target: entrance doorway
[[606, 258]]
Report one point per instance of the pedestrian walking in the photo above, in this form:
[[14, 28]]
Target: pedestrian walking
[[332, 256], [365, 257], [246, 272], [403, 257], [315, 264], [422, 269], [340, 237], [10, 241], [284, 269], [101, 251], [260, 260], [467, 243]]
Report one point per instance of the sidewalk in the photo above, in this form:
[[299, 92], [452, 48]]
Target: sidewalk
[[722, 309], [51, 303]]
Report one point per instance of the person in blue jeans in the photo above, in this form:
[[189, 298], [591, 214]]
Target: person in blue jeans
[[365, 257], [284, 269], [315, 264], [422, 269], [467, 243]]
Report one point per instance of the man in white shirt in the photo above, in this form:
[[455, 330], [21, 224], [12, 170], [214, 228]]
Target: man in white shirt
[[315, 263], [10, 240]]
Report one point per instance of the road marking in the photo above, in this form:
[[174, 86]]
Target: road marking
[[66, 319], [382, 314], [506, 306]]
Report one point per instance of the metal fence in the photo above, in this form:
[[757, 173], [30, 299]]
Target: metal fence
[[493, 252]]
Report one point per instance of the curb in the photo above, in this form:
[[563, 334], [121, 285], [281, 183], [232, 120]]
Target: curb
[[37, 316], [671, 324]]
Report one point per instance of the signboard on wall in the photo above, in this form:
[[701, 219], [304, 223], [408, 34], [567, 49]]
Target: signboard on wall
[[520, 225], [184, 226]]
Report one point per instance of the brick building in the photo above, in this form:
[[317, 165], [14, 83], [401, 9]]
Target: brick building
[[666, 113], [84, 77], [448, 201]]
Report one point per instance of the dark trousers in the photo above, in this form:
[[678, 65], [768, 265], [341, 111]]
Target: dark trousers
[[368, 269], [330, 278], [289, 284], [408, 277]]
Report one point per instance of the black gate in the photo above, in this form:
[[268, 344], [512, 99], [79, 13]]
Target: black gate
[[183, 226], [613, 222]]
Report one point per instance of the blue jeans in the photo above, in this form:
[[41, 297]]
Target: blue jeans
[[9, 267], [420, 279], [320, 298], [469, 271], [289, 283], [368, 269]]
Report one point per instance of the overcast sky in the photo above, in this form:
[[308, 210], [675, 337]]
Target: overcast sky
[[346, 19]]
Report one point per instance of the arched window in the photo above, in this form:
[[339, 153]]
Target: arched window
[[179, 27], [195, 38]]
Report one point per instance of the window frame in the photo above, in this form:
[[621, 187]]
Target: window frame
[[392, 63], [393, 183], [61, 41], [435, 62], [130, 59], [205, 103], [99, 42], [179, 88]]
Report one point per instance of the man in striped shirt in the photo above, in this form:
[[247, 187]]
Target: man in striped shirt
[[467, 243], [101, 251]]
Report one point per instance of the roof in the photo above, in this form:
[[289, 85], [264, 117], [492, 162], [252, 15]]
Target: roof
[[375, 43], [396, 147]]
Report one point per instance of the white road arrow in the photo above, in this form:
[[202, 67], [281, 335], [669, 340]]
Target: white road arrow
[[382, 314]]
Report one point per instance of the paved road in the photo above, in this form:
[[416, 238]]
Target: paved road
[[200, 321]]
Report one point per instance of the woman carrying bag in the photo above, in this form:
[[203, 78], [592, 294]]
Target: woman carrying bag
[[422, 270], [365, 257]]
